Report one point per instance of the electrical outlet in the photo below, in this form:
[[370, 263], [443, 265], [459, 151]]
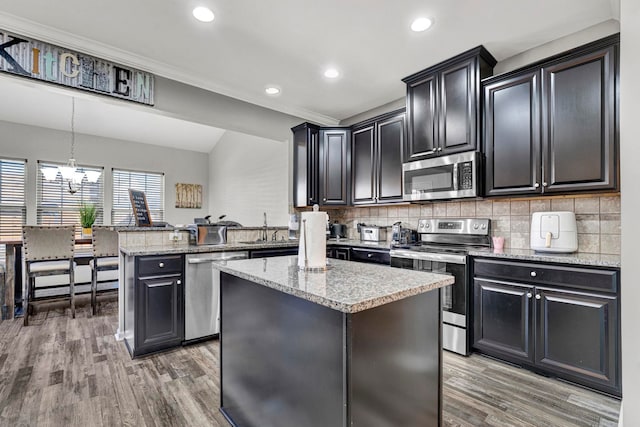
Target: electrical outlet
[[175, 236]]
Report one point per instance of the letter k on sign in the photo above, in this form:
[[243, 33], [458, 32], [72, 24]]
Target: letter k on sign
[[15, 67]]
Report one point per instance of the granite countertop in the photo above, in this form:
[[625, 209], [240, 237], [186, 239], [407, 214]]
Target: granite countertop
[[579, 258], [346, 286]]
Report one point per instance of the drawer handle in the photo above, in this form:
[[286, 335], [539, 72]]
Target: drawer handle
[[529, 294], [538, 296], [534, 274], [161, 265], [369, 255], [179, 282]]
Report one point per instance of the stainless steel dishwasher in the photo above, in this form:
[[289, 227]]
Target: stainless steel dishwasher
[[202, 294]]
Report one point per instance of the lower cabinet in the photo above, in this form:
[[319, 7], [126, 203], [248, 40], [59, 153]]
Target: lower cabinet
[[268, 253], [339, 253], [554, 322], [159, 304]]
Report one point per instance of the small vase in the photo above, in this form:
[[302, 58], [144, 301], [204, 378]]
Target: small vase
[[86, 231]]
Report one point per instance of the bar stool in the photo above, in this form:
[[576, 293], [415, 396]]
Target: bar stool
[[48, 251], [105, 257]]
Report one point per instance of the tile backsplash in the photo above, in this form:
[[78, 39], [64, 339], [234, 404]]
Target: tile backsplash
[[598, 218]]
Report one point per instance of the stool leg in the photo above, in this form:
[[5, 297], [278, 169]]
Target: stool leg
[[72, 290], [26, 301], [94, 286]]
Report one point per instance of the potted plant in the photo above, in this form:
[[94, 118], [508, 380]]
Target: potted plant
[[87, 218]]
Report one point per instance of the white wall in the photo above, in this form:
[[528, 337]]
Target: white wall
[[249, 175], [35, 143], [630, 176]]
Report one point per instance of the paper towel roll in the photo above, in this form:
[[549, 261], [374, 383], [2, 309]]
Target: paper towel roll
[[313, 240]]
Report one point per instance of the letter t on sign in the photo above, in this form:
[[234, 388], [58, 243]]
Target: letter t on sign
[[122, 79]]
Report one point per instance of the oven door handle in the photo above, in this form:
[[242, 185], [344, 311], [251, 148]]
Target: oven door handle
[[425, 256]]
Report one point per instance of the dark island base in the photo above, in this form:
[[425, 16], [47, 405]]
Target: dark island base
[[286, 361]]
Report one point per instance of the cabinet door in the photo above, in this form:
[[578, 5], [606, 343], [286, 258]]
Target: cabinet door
[[363, 165], [577, 338], [305, 165], [458, 109], [390, 135], [422, 119], [579, 138], [159, 313], [335, 167], [502, 320], [512, 135]]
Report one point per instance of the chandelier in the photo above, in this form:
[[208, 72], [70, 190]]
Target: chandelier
[[69, 172]]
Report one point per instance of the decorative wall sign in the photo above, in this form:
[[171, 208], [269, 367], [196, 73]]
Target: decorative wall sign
[[43, 61], [140, 208], [189, 196]]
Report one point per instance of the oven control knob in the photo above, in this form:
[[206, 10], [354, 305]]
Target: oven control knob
[[475, 226], [427, 225], [484, 226]]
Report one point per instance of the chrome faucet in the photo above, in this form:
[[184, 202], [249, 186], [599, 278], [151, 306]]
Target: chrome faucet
[[264, 228]]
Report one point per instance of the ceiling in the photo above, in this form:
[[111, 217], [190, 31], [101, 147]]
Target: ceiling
[[288, 43]]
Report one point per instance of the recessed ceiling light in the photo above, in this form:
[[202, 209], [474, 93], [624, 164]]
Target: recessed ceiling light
[[272, 90], [331, 73], [203, 14], [421, 24]]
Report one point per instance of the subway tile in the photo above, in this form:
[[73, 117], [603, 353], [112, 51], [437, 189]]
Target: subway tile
[[519, 241], [484, 208], [610, 224], [414, 211], [519, 207], [587, 205], [543, 205], [501, 208], [453, 209], [520, 224], [468, 209], [426, 210], [589, 243], [610, 244], [563, 205], [589, 224], [610, 204], [439, 210]]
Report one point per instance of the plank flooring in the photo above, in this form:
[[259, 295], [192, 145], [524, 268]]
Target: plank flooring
[[65, 372]]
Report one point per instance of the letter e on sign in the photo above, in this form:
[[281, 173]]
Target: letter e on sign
[[122, 78]]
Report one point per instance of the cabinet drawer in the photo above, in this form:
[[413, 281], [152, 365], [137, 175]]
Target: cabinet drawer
[[159, 265], [550, 275], [371, 255]]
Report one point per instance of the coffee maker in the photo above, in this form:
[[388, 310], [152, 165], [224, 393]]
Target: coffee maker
[[401, 235]]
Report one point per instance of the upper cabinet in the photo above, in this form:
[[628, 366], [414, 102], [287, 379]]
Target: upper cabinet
[[377, 159], [305, 165], [335, 166], [552, 128], [443, 106]]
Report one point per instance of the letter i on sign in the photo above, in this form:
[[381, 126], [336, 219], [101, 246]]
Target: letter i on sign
[[35, 69]]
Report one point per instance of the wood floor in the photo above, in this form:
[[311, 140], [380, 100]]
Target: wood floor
[[65, 372]]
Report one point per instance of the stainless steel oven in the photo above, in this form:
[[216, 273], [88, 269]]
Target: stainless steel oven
[[447, 177], [454, 298]]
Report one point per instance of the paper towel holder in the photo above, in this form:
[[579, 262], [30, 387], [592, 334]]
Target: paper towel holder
[[306, 267]]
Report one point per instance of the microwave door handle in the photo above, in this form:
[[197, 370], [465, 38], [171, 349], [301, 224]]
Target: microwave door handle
[[455, 177]]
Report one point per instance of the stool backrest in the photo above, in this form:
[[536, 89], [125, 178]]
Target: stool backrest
[[47, 243], [105, 241]]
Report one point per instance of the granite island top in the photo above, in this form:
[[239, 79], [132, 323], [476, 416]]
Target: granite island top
[[578, 258], [345, 286]]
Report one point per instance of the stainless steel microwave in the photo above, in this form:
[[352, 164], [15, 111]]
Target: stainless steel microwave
[[447, 177]]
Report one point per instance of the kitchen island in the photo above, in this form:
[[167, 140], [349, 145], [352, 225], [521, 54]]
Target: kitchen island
[[356, 345]]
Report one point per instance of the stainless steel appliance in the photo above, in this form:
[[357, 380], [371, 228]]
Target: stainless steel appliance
[[402, 235], [372, 233], [207, 234], [337, 231], [443, 248], [202, 294], [446, 177]]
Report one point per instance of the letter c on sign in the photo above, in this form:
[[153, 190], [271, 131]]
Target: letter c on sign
[[63, 64]]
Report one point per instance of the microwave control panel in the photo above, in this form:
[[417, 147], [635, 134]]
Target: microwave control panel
[[466, 176]]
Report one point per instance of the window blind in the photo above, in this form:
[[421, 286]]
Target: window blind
[[13, 210], [56, 206], [151, 183]]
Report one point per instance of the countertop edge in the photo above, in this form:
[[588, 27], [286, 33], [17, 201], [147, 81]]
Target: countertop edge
[[572, 259]]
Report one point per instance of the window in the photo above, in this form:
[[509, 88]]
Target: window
[[153, 186], [13, 211], [57, 206]]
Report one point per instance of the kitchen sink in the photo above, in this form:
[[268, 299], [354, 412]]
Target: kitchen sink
[[267, 242]]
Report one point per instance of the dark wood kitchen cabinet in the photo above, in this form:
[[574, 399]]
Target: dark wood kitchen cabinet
[[159, 304], [335, 166], [443, 106], [559, 320], [306, 148], [377, 159], [552, 127]]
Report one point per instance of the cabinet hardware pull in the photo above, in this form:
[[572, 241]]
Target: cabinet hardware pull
[[529, 294], [534, 274], [179, 282], [439, 148], [160, 284], [538, 296], [536, 185], [369, 255], [544, 184], [161, 265]]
